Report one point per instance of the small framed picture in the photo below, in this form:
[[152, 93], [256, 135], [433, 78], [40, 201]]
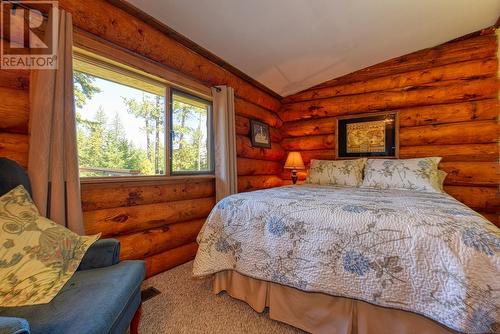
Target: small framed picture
[[368, 135], [259, 133]]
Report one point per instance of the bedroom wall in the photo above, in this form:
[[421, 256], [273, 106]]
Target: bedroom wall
[[156, 221], [447, 99]]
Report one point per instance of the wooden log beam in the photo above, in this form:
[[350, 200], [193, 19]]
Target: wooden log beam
[[472, 173], [480, 47], [14, 110], [449, 113], [249, 183], [310, 127], [250, 110], [307, 156], [409, 117], [115, 25], [15, 147], [244, 149], [172, 258], [15, 79], [137, 218], [125, 194], [463, 70], [484, 199], [479, 132], [154, 241], [418, 96], [464, 152], [258, 167], [243, 128], [309, 143]]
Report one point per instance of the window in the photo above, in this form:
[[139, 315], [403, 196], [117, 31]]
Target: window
[[191, 120], [123, 120]]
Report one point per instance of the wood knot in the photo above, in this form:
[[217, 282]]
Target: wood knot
[[119, 218], [312, 108], [133, 198]]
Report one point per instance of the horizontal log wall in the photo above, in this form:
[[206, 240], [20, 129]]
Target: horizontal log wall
[[447, 99], [154, 221], [258, 168]]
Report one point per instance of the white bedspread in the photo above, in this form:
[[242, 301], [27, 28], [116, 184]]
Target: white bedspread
[[421, 252]]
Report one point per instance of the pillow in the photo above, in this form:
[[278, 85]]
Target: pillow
[[37, 256], [416, 174], [336, 172], [441, 177]]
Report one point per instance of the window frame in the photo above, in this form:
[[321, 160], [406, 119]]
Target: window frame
[[122, 58], [210, 134]]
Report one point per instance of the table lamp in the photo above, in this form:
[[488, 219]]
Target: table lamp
[[294, 162]]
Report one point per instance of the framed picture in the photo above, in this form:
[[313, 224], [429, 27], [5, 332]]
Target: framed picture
[[259, 133], [368, 135]]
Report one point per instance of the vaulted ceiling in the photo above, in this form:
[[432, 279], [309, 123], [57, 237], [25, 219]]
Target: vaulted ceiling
[[291, 45]]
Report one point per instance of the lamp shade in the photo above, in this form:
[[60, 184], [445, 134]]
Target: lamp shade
[[294, 161]]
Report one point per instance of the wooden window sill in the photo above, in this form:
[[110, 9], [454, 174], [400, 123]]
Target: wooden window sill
[[143, 180]]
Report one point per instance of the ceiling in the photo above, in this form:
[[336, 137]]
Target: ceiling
[[291, 45]]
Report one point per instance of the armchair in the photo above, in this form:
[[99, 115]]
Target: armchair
[[103, 296]]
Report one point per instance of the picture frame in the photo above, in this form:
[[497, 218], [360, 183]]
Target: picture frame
[[260, 134], [370, 135]]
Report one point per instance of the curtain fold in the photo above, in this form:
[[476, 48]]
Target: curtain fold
[[224, 142], [53, 157]]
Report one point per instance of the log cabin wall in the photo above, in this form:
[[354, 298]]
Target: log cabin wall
[[14, 114], [447, 98], [155, 221]]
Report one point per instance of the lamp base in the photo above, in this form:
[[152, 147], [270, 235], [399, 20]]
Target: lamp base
[[294, 176]]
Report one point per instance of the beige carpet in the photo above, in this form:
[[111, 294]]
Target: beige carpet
[[186, 305]]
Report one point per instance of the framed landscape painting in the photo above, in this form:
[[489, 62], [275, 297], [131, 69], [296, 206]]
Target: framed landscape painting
[[368, 135], [259, 133]]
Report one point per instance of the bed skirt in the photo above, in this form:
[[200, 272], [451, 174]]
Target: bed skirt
[[321, 313]]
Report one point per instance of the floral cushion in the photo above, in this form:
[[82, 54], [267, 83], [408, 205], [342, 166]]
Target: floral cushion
[[416, 174], [37, 256], [336, 172]]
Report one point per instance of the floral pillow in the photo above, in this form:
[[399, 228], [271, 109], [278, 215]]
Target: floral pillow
[[416, 174], [37, 256], [336, 172]]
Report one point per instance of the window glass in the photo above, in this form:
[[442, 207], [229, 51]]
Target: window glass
[[120, 123], [191, 134]]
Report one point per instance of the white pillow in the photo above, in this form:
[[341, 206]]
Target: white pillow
[[416, 174], [336, 172]]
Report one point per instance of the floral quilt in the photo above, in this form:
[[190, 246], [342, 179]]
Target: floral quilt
[[416, 251]]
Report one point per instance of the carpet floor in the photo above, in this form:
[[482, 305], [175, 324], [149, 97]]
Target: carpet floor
[[186, 305]]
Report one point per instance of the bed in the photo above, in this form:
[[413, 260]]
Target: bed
[[356, 260]]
